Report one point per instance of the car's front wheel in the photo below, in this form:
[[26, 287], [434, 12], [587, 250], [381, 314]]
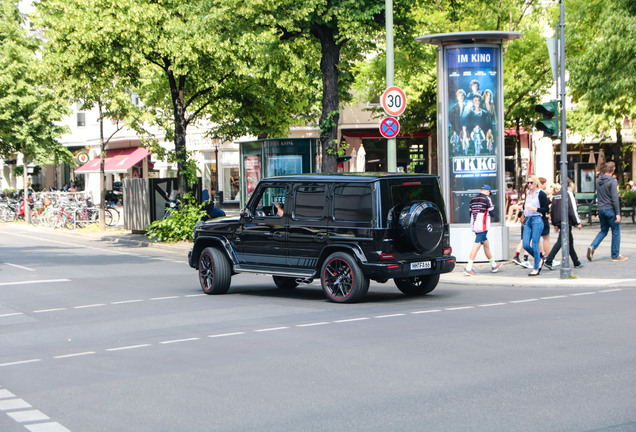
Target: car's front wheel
[[417, 285], [342, 279], [214, 271]]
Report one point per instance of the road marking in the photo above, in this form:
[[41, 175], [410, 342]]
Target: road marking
[[20, 362], [553, 297], [128, 347], [524, 301], [180, 340], [226, 334], [20, 267], [4, 394], [491, 304], [582, 294], [271, 329], [28, 416], [196, 295], [47, 427], [389, 316], [611, 290], [426, 311], [89, 306], [74, 355], [13, 404], [164, 298], [126, 301], [11, 314], [350, 320], [313, 324], [34, 282], [459, 308], [49, 310]]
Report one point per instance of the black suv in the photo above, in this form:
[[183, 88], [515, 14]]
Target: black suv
[[342, 228]]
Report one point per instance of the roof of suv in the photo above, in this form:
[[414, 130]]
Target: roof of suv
[[349, 176]]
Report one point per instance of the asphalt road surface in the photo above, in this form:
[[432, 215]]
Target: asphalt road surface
[[96, 336]]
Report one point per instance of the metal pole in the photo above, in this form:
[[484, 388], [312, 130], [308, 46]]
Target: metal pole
[[391, 158], [566, 271]]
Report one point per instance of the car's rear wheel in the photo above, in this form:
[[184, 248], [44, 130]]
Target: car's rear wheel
[[283, 282], [342, 279], [214, 271], [417, 285]]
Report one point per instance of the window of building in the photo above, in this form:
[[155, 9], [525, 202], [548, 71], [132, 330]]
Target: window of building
[[81, 119]]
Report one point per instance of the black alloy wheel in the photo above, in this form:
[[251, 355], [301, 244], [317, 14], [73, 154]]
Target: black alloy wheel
[[214, 271], [342, 279]]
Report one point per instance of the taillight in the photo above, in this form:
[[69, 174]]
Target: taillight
[[448, 250], [387, 256], [411, 183]]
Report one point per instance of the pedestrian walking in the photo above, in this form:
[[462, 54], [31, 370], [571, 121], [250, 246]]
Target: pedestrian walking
[[556, 217], [536, 207], [609, 213], [481, 207]]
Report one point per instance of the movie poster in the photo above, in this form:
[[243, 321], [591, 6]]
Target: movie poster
[[473, 129]]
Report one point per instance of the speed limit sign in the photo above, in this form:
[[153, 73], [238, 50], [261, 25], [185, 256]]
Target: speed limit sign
[[394, 101]]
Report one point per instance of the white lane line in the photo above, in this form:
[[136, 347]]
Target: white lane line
[[20, 267], [611, 290], [524, 301], [459, 308], [128, 347], [89, 306], [491, 304], [313, 324], [49, 310], [126, 301], [164, 298], [13, 404], [426, 311], [226, 334], [74, 355], [46, 427], [270, 329], [20, 362], [554, 297], [5, 394], [390, 315], [196, 295], [34, 282], [28, 416], [11, 314], [350, 320], [582, 294], [180, 340]]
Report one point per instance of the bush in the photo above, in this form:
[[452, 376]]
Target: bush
[[179, 226], [629, 198]]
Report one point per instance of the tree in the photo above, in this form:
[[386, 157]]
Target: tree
[[29, 112], [338, 33], [601, 47]]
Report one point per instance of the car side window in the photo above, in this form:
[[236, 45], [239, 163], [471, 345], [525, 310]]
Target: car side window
[[310, 202], [352, 203], [270, 200]]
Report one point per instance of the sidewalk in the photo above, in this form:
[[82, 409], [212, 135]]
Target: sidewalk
[[601, 272]]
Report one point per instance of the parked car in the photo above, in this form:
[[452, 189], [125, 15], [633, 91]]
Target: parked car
[[345, 229]]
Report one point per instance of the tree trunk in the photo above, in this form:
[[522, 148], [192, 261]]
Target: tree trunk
[[25, 185], [330, 110], [619, 154], [180, 124]]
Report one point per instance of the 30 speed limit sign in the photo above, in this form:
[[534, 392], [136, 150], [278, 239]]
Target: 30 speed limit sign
[[394, 101]]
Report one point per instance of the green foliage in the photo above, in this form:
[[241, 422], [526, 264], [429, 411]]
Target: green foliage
[[179, 225], [628, 197]]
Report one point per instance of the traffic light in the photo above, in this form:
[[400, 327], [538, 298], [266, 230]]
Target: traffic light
[[550, 123]]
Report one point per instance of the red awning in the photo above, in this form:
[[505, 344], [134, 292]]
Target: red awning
[[117, 161]]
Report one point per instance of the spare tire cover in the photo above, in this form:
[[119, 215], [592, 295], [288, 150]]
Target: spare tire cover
[[422, 225]]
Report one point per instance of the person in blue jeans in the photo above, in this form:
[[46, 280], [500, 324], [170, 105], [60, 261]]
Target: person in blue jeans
[[536, 206], [609, 213]]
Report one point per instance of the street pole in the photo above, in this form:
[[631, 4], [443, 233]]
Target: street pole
[[566, 271], [390, 143]]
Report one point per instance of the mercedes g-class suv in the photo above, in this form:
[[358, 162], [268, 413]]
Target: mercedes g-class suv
[[342, 228]]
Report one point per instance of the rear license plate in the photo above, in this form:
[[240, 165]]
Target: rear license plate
[[420, 265]]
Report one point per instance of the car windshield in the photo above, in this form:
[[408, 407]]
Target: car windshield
[[425, 190]]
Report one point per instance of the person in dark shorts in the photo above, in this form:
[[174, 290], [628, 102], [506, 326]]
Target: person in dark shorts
[[481, 207]]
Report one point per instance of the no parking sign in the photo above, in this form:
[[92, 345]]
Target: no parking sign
[[389, 127]]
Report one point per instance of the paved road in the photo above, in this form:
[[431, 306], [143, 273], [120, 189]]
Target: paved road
[[100, 336]]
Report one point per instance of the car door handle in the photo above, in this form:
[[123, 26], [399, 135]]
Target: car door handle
[[278, 236], [320, 237]]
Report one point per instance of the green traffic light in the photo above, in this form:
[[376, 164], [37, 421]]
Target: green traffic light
[[550, 123]]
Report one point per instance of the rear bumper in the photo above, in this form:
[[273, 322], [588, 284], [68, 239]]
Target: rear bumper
[[402, 269]]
